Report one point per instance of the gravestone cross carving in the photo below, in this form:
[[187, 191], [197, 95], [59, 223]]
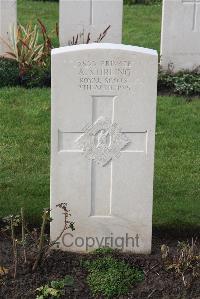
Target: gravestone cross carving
[[83, 17], [102, 147], [101, 173]]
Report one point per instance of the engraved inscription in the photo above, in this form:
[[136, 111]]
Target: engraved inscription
[[195, 3], [104, 75]]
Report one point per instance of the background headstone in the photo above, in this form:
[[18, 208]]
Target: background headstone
[[102, 155], [90, 16], [8, 18], [180, 37]]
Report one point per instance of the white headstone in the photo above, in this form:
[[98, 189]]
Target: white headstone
[[90, 16], [180, 38], [102, 155], [8, 18]]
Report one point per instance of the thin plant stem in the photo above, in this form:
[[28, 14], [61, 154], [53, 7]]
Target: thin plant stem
[[41, 240], [14, 244], [23, 234]]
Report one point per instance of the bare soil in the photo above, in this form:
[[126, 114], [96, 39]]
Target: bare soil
[[158, 282]]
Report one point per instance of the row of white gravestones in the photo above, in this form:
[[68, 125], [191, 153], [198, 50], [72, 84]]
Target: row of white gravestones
[[8, 18], [180, 38], [180, 42], [80, 17], [102, 154], [92, 17], [103, 120]]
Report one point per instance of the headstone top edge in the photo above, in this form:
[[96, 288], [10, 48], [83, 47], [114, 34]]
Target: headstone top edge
[[105, 46]]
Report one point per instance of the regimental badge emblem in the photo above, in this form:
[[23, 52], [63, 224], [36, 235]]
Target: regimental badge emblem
[[102, 141]]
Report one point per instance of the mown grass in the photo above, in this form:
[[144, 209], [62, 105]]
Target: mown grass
[[141, 23], [177, 164], [25, 134], [25, 152]]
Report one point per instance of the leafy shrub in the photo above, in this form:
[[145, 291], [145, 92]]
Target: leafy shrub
[[24, 46], [31, 58], [182, 83], [110, 277], [37, 76], [129, 2], [9, 72]]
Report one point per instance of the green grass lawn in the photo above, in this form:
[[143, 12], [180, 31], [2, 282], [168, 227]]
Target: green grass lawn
[[142, 25], [24, 150], [25, 142], [141, 22], [25, 135]]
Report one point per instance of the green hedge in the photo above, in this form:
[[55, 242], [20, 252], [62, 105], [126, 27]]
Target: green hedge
[[182, 83], [130, 2], [36, 76], [9, 72]]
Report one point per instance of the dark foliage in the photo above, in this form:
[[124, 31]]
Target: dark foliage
[[147, 2], [37, 76], [47, 0], [9, 72], [181, 83], [125, 1]]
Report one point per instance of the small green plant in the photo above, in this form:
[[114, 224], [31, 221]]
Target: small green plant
[[27, 62], [55, 288], [181, 83], [103, 251], [24, 46], [110, 277], [185, 261], [48, 292]]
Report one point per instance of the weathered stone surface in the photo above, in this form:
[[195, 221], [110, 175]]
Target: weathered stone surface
[[102, 154], [180, 42], [90, 16], [8, 18]]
